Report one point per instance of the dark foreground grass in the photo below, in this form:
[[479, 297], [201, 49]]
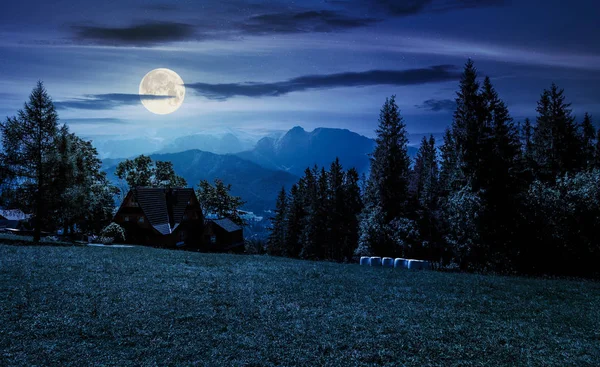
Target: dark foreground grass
[[142, 306]]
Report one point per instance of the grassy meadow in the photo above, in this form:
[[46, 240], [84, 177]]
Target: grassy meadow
[[143, 306]]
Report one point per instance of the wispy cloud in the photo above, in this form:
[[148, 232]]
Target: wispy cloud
[[143, 34], [437, 105], [221, 21], [301, 22], [104, 101], [439, 73], [93, 121], [406, 8]]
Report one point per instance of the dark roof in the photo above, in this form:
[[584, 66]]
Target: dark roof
[[164, 208], [13, 214], [227, 224], [9, 223]]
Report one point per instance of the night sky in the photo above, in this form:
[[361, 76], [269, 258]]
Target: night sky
[[262, 66]]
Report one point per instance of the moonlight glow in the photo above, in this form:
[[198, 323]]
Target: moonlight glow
[[162, 82]]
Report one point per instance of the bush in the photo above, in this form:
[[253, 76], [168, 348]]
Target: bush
[[254, 247], [114, 231]]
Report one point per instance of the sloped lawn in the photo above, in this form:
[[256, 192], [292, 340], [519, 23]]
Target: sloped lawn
[[142, 306]]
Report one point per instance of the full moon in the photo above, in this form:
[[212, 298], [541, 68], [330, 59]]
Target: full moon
[[164, 90]]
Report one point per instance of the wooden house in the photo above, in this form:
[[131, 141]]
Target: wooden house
[[161, 217], [224, 235], [174, 218]]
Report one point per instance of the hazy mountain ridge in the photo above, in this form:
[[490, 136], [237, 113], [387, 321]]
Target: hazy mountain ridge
[[257, 185], [298, 149]]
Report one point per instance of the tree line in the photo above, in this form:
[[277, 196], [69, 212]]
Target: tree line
[[50, 172], [496, 196]]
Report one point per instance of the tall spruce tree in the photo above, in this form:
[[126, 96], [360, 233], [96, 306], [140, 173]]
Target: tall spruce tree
[[30, 152], [449, 170], [597, 151], [387, 187], [389, 175], [556, 143], [502, 185], [276, 243], [588, 133], [426, 191], [336, 212], [295, 220], [353, 206], [471, 130], [527, 148]]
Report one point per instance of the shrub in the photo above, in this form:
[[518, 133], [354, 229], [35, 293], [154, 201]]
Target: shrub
[[114, 231]]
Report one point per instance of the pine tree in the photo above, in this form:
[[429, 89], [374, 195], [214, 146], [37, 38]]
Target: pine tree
[[471, 130], [388, 184], [588, 141], [295, 221], [527, 147], [556, 143], [352, 209], [310, 197], [390, 162], [502, 184], [30, 152], [336, 211], [449, 170], [597, 151], [276, 243], [426, 194]]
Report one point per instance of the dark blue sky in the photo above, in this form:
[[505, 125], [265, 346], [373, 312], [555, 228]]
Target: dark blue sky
[[271, 65]]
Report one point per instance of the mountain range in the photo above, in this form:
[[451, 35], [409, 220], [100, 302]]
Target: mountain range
[[258, 171], [298, 149]]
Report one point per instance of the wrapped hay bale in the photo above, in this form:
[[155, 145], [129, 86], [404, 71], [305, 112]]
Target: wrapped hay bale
[[387, 262], [365, 260], [400, 263], [427, 265], [375, 261], [415, 264]]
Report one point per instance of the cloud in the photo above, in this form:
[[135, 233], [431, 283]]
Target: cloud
[[104, 101], [437, 105], [302, 22], [93, 121], [397, 8], [439, 73], [221, 21], [143, 34]]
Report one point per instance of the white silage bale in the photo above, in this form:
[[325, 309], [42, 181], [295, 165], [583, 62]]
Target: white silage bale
[[375, 261], [365, 260], [400, 263], [427, 265], [415, 264], [387, 262]]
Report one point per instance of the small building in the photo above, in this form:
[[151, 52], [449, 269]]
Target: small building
[[161, 217], [224, 235], [174, 218], [14, 221]]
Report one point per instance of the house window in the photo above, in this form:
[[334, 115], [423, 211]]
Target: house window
[[141, 220], [213, 239], [185, 217], [182, 235]]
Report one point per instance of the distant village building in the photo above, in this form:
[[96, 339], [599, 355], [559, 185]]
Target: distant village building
[[173, 218], [14, 221]]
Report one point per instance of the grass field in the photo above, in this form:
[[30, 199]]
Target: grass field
[[143, 306]]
